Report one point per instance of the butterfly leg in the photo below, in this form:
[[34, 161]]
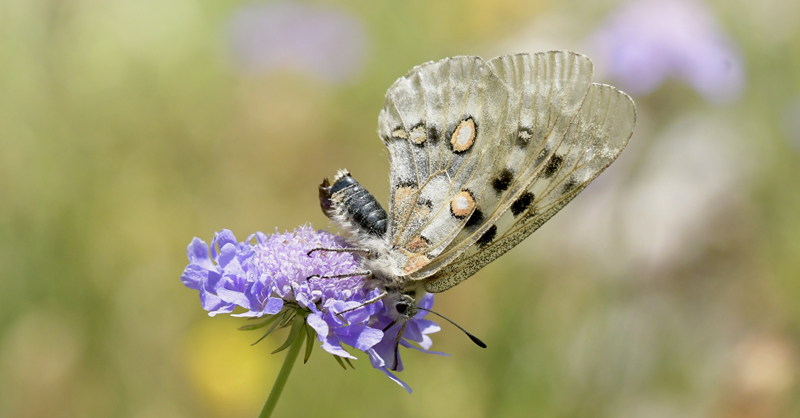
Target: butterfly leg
[[340, 276], [366, 302], [397, 346], [366, 251], [369, 302]]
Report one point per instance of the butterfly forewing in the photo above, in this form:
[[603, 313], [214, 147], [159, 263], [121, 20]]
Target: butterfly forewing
[[442, 126], [592, 141], [546, 91]]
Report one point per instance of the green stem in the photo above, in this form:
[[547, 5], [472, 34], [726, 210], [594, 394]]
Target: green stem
[[286, 369]]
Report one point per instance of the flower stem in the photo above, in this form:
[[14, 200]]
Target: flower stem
[[286, 369]]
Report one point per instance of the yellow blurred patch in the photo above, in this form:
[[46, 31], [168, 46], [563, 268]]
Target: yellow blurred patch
[[231, 376]]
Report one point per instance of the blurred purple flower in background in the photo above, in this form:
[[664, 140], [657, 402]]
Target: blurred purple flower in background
[[270, 278], [317, 40], [646, 41]]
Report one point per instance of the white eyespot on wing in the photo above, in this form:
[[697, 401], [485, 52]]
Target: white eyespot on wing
[[400, 133], [464, 135], [592, 142], [462, 204], [418, 135]]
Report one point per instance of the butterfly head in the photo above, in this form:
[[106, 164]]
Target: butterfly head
[[406, 306], [402, 302]]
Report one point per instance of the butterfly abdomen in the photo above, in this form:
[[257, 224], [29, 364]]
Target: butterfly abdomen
[[351, 205]]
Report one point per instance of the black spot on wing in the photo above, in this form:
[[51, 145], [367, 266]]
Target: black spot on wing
[[475, 219], [502, 182], [553, 165], [487, 237], [521, 205], [407, 183], [569, 184], [540, 158], [425, 202], [433, 134]]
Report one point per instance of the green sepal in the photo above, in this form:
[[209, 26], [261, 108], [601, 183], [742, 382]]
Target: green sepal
[[288, 319], [263, 323], [348, 362], [293, 333], [269, 331], [339, 360]]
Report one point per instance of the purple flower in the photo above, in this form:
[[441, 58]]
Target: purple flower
[[647, 41], [271, 278], [317, 40]]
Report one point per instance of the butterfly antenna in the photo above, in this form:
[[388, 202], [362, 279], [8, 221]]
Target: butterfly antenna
[[474, 339]]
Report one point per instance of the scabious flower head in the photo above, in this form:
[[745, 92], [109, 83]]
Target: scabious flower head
[[647, 41], [271, 276]]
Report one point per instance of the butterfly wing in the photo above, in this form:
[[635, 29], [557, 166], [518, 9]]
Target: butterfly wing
[[440, 123], [592, 142], [547, 90], [445, 197]]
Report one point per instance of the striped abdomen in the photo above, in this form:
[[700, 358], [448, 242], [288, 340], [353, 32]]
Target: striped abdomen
[[347, 198]]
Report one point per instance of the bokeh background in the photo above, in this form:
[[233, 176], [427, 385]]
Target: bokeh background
[[669, 288]]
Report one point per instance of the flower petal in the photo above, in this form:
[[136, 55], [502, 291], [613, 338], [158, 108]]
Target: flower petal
[[210, 301], [193, 276], [315, 321], [197, 252], [426, 326], [273, 306], [426, 302], [332, 345], [409, 345], [359, 336], [227, 253], [396, 379], [233, 296], [386, 349]]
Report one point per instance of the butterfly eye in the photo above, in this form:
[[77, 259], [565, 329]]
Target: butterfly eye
[[402, 308]]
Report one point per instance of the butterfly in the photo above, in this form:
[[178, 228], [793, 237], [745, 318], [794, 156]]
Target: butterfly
[[482, 153]]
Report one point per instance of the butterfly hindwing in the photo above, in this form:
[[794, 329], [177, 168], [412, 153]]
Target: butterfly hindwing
[[592, 142]]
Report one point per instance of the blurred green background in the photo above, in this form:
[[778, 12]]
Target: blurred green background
[[670, 288]]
